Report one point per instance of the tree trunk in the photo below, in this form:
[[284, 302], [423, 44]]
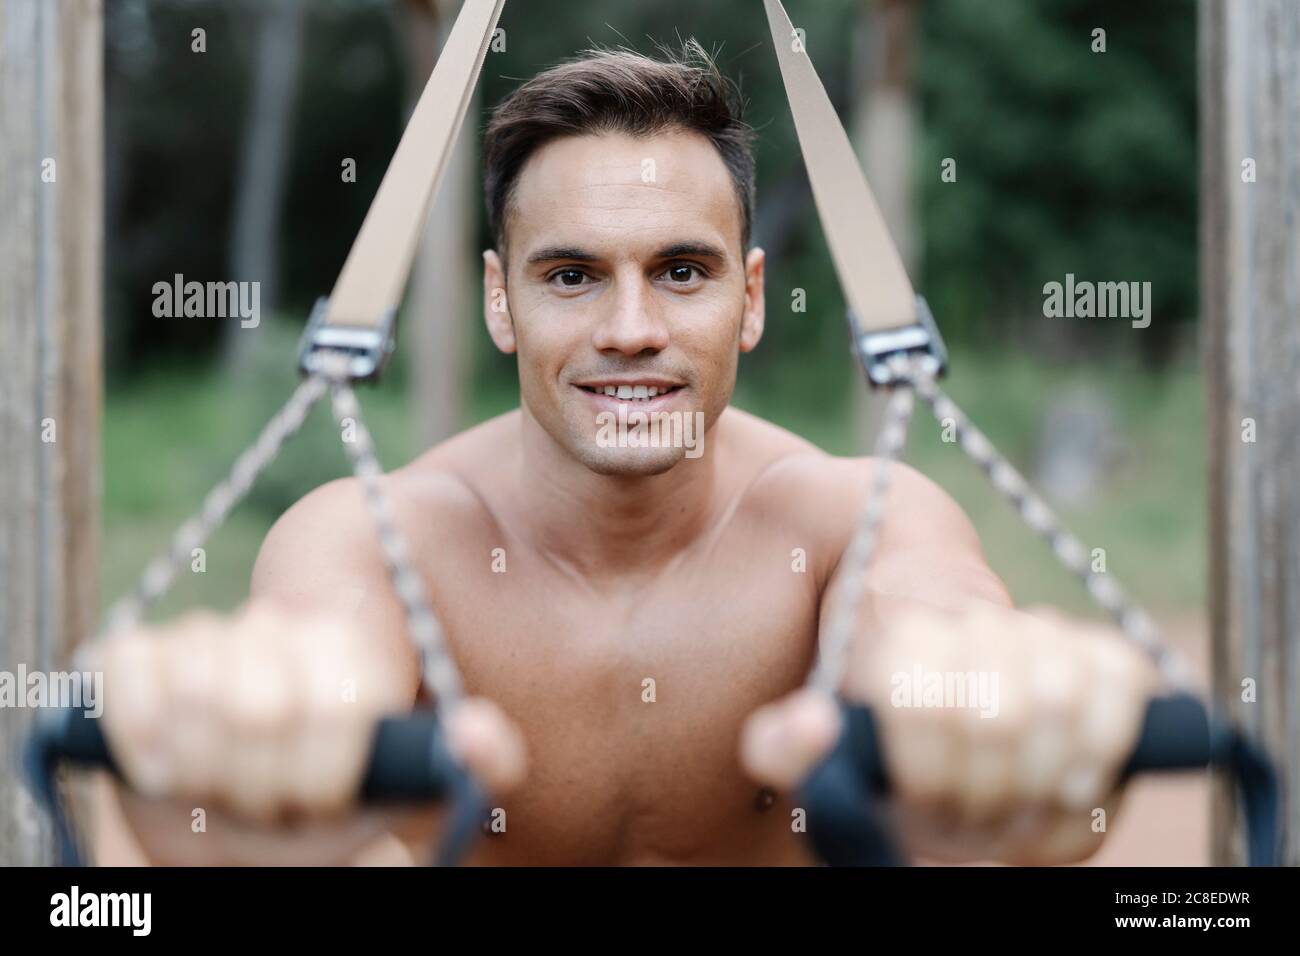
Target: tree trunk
[[1250, 288], [884, 124], [439, 306], [51, 236], [263, 166]]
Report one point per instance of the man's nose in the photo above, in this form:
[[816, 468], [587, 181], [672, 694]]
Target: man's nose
[[633, 325]]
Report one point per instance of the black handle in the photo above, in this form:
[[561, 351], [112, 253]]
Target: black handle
[[1177, 734], [409, 762]]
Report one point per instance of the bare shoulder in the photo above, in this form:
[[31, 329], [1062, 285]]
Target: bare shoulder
[[796, 470], [824, 494], [305, 542], [329, 534]]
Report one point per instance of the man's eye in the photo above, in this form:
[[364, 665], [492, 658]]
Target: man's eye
[[682, 272], [569, 277]]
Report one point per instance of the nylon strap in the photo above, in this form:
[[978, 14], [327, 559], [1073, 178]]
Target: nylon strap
[[369, 288], [870, 269], [882, 300]]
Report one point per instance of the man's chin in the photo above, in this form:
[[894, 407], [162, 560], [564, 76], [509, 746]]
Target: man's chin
[[630, 462]]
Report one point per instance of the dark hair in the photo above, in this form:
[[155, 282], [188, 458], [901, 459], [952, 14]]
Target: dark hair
[[618, 91]]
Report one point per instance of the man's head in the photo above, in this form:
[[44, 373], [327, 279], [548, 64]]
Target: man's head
[[620, 193]]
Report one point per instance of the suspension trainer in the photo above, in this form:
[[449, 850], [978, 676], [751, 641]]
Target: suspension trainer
[[350, 336]]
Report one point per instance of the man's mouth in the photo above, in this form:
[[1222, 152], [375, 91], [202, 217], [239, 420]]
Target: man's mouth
[[629, 392]]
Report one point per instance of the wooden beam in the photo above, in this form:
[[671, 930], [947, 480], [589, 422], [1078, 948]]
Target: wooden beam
[[1250, 300], [51, 200]]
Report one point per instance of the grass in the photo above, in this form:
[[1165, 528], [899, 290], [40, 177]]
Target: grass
[[171, 434]]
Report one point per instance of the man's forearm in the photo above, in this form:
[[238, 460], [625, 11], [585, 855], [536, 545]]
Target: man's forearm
[[907, 583]]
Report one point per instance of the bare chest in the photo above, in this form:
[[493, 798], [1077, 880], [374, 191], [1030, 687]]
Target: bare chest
[[631, 701]]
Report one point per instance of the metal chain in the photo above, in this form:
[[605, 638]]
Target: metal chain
[[1134, 622], [841, 622], [221, 500], [841, 626], [439, 672]]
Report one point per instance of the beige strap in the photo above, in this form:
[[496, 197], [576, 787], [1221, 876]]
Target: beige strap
[[871, 273], [374, 276]]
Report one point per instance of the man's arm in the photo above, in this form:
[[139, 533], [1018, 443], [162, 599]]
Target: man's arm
[[1016, 775], [322, 557], [927, 554], [266, 716]]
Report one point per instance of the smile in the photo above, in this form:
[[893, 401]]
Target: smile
[[632, 392]]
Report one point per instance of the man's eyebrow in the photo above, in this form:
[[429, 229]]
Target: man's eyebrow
[[701, 250], [553, 253], [676, 250]]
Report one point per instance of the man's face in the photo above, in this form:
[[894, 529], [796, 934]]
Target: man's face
[[625, 271]]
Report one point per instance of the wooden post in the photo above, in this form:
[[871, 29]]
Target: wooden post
[[51, 199], [1250, 289]]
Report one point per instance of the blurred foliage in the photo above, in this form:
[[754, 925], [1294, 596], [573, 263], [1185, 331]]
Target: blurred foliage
[[173, 129], [1068, 161]]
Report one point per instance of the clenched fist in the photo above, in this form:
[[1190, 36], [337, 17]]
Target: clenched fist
[[265, 721], [1003, 732]]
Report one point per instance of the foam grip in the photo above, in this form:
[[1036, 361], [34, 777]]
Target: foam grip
[[409, 760], [1177, 734], [841, 794], [840, 797]]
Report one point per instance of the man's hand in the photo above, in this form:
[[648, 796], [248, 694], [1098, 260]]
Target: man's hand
[[264, 721], [1003, 732]]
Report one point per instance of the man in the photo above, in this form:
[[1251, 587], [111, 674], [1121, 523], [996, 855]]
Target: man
[[632, 621]]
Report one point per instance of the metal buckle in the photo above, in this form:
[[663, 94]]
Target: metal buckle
[[367, 349], [922, 340]]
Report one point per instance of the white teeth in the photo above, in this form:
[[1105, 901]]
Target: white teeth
[[631, 392]]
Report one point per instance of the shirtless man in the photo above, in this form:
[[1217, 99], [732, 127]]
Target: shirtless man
[[622, 565]]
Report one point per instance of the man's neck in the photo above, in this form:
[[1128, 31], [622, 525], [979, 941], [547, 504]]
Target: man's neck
[[601, 524]]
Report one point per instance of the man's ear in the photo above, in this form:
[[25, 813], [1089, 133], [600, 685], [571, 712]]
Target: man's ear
[[496, 306], [751, 323]]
